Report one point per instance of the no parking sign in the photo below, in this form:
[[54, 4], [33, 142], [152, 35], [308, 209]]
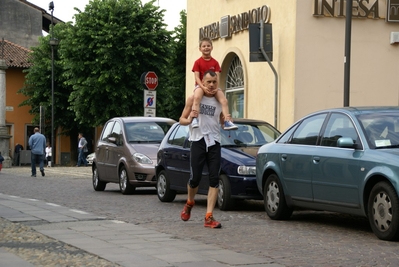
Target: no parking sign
[[150, 98]]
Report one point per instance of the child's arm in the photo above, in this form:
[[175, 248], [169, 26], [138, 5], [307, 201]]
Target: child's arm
[[198, 92]]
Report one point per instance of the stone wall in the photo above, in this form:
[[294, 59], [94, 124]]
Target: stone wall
[[20, 23]]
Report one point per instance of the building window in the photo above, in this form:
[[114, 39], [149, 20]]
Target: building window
[[235, 88]]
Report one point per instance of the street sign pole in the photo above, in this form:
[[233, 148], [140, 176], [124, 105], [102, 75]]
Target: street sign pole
[[149, 80]]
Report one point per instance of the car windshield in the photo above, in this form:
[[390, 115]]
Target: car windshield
[[381, 129], [146, 132], [249, 134]]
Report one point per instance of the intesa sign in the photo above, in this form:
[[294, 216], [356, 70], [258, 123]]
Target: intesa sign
[[367, 9], [230, 25]]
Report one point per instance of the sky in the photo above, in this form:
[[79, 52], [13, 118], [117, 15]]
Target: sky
[[64, 9]]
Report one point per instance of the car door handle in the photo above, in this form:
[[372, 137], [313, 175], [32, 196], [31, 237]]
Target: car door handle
[[184, 156], [316, 160], [284, 157]]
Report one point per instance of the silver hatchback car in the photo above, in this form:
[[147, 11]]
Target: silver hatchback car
[[126, 152]]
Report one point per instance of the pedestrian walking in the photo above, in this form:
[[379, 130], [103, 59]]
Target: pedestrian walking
[[205, 147], [82, 149], [37, 143]]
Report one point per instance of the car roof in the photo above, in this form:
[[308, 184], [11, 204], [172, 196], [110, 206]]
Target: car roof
[[143, 119], [241, 120], [359, 110]]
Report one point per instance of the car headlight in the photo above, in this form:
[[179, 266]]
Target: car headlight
[[141, 158], [246, 170]]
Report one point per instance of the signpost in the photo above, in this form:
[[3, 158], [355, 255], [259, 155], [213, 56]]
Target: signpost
[[149, 80]]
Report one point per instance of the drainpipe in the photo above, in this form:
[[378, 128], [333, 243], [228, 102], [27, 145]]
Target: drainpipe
[[274, 71]]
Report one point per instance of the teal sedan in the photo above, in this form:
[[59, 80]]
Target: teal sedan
[[341, 160]]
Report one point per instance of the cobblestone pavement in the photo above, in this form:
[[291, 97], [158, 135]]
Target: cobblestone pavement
[[307, 239], [41, 250]]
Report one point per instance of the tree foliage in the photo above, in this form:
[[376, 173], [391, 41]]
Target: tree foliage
[[98, 64], [38, 86], [104, 54], [174, 103]]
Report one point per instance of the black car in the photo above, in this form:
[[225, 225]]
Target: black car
[[238, 172]]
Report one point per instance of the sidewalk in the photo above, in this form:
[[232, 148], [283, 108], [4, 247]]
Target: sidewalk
[[118, 243]]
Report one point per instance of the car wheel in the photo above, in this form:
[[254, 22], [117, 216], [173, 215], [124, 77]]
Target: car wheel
[[274, 199], [124, 185], [225, 202], [165, 194], [383, 211], [98, 185]]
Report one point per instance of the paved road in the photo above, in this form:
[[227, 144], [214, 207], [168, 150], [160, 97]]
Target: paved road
[[308, 239]]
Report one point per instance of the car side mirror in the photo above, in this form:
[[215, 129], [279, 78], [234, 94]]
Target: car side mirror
[[112, 140], [346, 142]]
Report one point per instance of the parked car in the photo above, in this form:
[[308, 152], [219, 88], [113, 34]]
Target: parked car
[[90, 158], [341, 160], [237, 176], [126, 152]]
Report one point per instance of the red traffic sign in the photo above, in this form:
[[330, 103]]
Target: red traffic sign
[[151, 80]]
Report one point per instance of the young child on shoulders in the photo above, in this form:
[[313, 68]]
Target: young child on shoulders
[[204, 63]]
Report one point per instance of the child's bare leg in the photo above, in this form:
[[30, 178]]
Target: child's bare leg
[[198, 94], [228, 124], [221, 98]]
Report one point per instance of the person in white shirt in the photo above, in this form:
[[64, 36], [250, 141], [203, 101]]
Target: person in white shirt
[[205, 148], [82, 148], [48, 155]]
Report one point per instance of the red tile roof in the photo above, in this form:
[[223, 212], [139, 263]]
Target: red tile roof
[[14, 55]]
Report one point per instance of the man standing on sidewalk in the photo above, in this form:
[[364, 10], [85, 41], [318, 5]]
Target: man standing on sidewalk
[[37, 143]]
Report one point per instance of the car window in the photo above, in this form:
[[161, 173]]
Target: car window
[[178, 136], [247, 134], [339, 125], [285, 138], [153, 132], [308, 131], [381, 129], [107, 131], [265, 133], [117, 133]]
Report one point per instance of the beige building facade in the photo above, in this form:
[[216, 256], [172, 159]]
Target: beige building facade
[[308, 40]]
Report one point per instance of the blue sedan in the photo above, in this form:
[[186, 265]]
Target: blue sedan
[[237, 176], [341, 160]]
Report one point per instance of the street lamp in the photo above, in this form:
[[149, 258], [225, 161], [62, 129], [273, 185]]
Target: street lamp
[[53, 44]]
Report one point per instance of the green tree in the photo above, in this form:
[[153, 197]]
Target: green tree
[[38, 90], [175, 100], [104, 54]]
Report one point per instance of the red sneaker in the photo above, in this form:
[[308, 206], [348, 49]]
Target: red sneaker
[[186, 212], [212, 223]]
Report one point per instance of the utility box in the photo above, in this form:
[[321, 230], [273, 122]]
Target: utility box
[[255, 53], [65, 158], [25, 157]]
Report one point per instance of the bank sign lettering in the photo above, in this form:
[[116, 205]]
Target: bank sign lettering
[[370, 9], [232, 24]]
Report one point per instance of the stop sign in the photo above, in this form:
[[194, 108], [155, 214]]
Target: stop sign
[[151, 80]]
